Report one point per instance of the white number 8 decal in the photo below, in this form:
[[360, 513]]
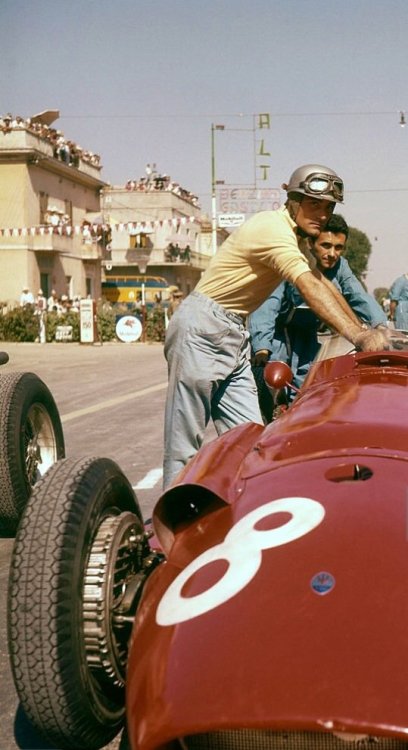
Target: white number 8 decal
[[242, 549]]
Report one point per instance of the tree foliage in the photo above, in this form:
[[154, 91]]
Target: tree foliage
[[357, 252], [380, 293]]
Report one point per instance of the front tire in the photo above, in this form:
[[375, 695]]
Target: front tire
[[31, 440], [75, 551]]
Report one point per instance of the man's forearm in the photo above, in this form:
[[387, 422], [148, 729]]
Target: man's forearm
[[327, 306], [342, 301]]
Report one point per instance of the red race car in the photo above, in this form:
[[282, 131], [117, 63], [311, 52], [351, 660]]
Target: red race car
[[269, 609]]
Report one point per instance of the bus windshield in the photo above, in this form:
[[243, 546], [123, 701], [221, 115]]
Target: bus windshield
[[134, 289]]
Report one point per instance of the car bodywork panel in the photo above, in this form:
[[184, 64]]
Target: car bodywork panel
[[282, 603]]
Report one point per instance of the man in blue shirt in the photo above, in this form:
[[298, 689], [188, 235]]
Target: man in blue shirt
[[399, 302], [284, 328]]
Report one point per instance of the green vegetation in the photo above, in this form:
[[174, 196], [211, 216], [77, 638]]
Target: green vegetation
[[357, 252], [53, 320], [21, 324]]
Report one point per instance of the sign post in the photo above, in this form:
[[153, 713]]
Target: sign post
[[231, 220], [87, 321]]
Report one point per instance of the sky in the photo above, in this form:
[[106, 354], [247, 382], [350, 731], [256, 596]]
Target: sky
[[142, 81]]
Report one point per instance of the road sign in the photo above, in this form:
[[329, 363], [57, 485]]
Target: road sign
[[128, 328], [248, 200], [230, 220], [87, 321]]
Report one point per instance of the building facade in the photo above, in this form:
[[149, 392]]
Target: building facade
[[62, 227], [157, 231], [44, 201]]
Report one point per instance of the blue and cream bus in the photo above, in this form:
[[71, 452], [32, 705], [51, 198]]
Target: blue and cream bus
[[129, 290]]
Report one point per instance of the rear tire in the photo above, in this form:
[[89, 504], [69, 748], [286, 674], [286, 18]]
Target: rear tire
[[31, 440], [73, 555]]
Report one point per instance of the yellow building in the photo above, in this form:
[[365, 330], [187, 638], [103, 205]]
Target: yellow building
[[159, 231], [62, 227], [47, 187]]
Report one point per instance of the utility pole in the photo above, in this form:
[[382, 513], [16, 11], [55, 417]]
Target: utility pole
[[213, 189]]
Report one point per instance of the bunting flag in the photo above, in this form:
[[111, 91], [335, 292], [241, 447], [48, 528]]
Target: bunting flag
[[135, 227]]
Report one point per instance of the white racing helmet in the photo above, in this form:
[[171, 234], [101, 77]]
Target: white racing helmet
[[317, 181]]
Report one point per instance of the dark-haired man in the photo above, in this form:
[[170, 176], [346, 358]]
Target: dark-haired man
[[207, 342], [285, 328]]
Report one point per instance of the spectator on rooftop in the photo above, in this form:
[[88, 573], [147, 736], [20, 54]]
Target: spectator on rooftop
[[6, 123]]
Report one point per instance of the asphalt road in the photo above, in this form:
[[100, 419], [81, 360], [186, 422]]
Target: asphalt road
[[111, 401]]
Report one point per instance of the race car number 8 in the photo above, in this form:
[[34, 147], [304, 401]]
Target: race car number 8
[[242, 549]]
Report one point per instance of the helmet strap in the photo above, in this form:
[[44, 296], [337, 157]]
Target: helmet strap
[[293, 205]]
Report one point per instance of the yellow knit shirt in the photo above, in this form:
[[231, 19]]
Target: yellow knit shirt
[[253, 261]]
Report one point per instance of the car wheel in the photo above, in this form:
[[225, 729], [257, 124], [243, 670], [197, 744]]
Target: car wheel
[[75, 579], [31, 440]]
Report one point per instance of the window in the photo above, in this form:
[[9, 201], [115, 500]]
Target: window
[[43, 202], [69, 286], [138, 240], [45, 284], [68, 211]]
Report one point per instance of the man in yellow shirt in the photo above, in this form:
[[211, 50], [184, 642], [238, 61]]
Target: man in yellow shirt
[[207, 347]]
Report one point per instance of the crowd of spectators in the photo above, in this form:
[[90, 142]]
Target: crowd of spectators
[[60, 304], [63, 149], [174, 253], [46, 310], [154, 181]]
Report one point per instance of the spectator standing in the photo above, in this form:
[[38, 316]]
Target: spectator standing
[[399, 302], [53, 302], [284, 328], [26, 297], [176, 297], [41, 312], [66, 303], [185, 254], [6, 123], [385, 304]]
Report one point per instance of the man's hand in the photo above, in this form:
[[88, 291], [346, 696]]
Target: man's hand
[[261, 357], [328, 304], [372, 340]]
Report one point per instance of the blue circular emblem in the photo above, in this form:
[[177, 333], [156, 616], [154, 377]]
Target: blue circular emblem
[[322, 583]]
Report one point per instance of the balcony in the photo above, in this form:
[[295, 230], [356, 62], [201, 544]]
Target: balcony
[[158, 258], [53, 243], [23, 145]]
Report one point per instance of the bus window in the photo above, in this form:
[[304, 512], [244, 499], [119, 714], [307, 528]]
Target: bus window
[[129, 289]]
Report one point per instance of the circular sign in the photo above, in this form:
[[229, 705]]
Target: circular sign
[[128, 328]]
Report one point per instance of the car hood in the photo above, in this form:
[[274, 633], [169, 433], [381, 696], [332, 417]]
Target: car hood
[[310, 631]]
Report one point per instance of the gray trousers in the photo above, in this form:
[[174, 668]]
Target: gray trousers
[[207, 351]]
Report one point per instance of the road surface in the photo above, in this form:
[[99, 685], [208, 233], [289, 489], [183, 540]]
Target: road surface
[[111, 401]]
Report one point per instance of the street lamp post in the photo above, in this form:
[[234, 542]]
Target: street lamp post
[[142, 260], [143, 312], [213, 189]]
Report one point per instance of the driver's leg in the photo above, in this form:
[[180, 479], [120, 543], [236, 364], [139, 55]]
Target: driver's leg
[[236, 400], [202, 347]]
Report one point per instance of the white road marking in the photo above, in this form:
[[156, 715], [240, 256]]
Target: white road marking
[[150, 480], [112, 402]]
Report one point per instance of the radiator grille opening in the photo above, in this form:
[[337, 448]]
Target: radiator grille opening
[[249, 739]]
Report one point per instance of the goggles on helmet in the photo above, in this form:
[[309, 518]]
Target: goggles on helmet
[[323, 184]]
